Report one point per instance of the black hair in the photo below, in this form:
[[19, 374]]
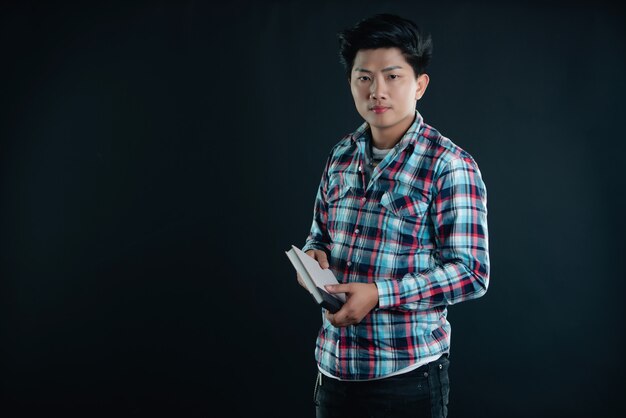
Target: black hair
[[386, 31]]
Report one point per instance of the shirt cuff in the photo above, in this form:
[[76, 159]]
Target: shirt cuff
[[388, 293], [316, 245]]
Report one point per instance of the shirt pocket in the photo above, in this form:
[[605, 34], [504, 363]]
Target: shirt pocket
[[340, 213], [404, 206], [404, 222], [336, 192]]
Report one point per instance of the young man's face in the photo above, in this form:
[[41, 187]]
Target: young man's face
[[385, 90]]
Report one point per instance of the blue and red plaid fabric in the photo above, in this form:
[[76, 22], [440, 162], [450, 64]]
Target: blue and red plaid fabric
[[418, 229]]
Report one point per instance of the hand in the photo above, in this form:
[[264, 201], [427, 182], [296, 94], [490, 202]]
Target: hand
[[361, 298], [321, 258]]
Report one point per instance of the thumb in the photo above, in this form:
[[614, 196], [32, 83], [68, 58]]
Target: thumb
[[336, 288]]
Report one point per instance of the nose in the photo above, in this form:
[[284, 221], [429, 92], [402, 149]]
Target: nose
[[377, 90]]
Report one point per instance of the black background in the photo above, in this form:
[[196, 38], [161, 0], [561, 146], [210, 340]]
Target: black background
[[158, 158]]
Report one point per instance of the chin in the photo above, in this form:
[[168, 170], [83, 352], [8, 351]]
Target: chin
[[381, 122]]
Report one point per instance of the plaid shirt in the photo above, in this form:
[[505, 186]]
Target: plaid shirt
[[418, 229]]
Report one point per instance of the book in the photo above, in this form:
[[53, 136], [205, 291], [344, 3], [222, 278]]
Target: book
[[315, 278]]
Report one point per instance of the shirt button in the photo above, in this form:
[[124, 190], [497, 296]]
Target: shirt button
[[349, 263], [360, 168], [363, 199], [356, 231]]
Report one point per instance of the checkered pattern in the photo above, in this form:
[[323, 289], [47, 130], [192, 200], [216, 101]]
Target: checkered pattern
[[418, 229]]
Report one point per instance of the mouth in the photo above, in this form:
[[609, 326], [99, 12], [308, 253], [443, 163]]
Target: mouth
[[379, 109]]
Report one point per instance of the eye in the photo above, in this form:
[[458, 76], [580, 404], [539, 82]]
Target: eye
[[363, 78], [393, 76]]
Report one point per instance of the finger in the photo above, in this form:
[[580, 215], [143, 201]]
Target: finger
[[338, 319], [300, 280], [322, 258]]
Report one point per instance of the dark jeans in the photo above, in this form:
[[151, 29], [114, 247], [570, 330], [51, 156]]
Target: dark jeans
[[420, 393]]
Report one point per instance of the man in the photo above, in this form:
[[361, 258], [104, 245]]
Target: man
[[400, 217]]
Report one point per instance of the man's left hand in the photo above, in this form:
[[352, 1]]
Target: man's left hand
[[361, 298]]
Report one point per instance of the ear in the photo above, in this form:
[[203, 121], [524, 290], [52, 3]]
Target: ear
[[422, 83]]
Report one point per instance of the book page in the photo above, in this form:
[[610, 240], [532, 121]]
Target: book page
[[304, 274], [320, 276]]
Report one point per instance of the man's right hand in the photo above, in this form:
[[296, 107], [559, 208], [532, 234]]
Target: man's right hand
[[321, 258]]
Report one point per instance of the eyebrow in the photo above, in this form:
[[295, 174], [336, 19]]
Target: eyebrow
[[364, 70]]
